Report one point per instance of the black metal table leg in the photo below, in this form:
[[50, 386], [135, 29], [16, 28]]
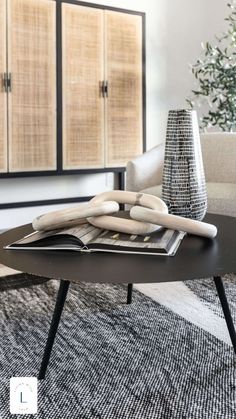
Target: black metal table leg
[[226, 310], [129, 293], [61, 297]]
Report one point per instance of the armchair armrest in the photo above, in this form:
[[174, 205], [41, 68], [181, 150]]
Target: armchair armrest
[[146, 170]]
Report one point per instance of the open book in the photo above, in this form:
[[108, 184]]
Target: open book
[[87, 238]]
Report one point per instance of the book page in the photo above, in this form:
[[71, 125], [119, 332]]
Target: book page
[[157, 240], [83, 232]]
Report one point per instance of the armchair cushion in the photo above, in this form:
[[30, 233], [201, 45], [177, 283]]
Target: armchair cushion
[[221, 197], [145, 170], [219, 156], [154, 190]]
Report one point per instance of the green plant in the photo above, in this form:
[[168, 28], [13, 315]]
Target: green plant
[[215, 74]]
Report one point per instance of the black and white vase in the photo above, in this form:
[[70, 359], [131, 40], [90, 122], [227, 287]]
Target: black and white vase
[[184, 186]]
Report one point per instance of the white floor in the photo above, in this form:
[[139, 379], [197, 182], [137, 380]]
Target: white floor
[[6, 271]]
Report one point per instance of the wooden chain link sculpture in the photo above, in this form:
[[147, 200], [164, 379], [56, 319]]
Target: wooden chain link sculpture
[[148, 214]]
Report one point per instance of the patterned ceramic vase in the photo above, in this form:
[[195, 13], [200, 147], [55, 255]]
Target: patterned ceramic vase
[[183, 186]]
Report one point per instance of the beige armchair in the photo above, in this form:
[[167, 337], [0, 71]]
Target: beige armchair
[[219, 157]]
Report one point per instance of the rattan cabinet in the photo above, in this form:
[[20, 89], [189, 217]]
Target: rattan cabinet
[[102, 87], [32, 100], [28, 94], [124, 121], [83, 71], [3, 98], [72, 96]]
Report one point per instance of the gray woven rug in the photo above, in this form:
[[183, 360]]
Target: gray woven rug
[[113, 361]]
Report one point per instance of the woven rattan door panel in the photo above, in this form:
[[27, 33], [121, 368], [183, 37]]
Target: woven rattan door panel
[[124, 74], [32, 101], [3, 95], [83, 104]]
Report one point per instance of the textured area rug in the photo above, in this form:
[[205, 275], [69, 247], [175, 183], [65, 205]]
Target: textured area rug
[[12, 279], [195, 301], [113, 361]]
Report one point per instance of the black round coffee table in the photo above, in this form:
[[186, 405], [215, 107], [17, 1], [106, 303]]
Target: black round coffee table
[[196, 258]]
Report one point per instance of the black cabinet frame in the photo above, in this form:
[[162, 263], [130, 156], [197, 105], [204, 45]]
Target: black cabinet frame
[[59, 171]]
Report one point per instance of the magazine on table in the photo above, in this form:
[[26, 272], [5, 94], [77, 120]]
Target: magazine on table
[[86, 238]]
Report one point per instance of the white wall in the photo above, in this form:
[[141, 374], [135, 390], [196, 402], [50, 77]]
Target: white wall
[[174, 31], [188, 22]]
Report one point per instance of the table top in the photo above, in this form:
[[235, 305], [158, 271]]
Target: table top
[[197, 257]]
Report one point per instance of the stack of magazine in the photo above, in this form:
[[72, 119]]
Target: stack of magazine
[[87, 238]]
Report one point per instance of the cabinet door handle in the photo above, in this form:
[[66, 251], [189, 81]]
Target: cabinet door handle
[[102, 88], [106, 89], [7, 82], [4, 81]]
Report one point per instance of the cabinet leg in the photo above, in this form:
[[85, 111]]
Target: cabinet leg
[[61, 297], [226, 310], [121, 181], [121, 186]]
